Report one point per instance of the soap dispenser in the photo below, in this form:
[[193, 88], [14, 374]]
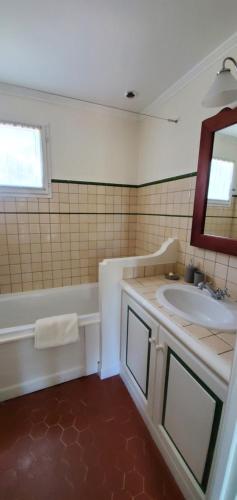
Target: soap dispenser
[[189, 273]]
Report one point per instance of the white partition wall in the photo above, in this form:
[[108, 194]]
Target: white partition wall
[[110, 276]]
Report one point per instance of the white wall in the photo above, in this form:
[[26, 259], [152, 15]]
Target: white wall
[[95, 143], [166, 149], [88, 142]]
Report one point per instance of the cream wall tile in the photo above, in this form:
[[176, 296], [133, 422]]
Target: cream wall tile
[[232, 275], [233, 261], [38, 234], [222, 258], [220, 271]]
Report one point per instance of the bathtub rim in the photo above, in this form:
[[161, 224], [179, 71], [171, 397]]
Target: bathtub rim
[[26, 331], [16, 333], [47, 291]]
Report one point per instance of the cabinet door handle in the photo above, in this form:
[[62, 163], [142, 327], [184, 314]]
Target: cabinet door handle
[[152, 340], [160, 347]]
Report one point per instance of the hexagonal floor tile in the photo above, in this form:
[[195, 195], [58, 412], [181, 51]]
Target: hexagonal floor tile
[[38, 430], [122, 495], [85, 438], [73, 453], [69, 436], [124, 461], [66, 420], [38, 415], [134, 483], [82, 439], [54, 433], [81, 422], [135, 446], [52, 418]]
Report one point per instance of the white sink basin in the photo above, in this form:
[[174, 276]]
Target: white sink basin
[[197, 306]]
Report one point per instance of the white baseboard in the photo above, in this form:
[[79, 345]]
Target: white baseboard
[[36, 384], [109, 372], [185, 481]]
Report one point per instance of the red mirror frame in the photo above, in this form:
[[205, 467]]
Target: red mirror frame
[[223, 119]]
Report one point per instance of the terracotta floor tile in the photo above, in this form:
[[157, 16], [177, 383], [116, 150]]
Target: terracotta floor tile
[[82, 440], [134, 483], [38, 430]]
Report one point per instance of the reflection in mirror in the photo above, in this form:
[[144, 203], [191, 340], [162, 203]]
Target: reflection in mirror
[[221, 212]]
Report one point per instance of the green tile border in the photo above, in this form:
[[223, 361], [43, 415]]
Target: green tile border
[[91, 183], [168, 179], [116, 213], [68, 213], [136, 186], [220, 217], [95, 213], [163, 215]]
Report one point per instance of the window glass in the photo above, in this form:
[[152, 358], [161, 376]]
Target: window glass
[[21, 157], [220, 182]]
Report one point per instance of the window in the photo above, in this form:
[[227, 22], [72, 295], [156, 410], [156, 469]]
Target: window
[[220, 182], [23, 160]]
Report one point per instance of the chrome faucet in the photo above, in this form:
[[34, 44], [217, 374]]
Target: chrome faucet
[[217, 294]]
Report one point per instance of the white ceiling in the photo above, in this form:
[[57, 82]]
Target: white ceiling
[[97, 49]]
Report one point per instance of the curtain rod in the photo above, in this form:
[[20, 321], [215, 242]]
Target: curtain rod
[[138, 113]]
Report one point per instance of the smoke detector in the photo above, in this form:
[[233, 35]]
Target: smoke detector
[[130, 94]]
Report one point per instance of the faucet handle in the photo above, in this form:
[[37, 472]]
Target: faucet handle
[[201, 285], [226, 292], [223, 293], [219, 293]]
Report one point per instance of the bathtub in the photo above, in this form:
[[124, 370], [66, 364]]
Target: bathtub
[[23, 369]]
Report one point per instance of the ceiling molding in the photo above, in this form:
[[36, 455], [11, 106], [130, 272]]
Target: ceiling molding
[[201, 67]]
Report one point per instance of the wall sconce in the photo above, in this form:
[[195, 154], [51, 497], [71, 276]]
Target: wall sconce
[[224, 88]]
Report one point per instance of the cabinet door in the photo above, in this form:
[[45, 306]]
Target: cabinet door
[[139, 337], [138, 349], [191, 412]]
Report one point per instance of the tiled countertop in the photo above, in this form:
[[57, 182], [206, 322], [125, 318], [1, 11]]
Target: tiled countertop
[[214, 347]]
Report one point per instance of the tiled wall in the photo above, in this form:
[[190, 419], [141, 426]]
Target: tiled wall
[[221, 220], [59, 241], [167, 212]]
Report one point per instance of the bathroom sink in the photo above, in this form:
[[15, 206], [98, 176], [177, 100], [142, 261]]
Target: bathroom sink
[[197, 306]]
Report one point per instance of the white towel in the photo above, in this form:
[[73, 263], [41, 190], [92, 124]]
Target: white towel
[[56, 331]]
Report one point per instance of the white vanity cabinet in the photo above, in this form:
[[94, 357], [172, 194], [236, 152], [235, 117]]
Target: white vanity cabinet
[[188, 403], [179, 397], [138, 349]]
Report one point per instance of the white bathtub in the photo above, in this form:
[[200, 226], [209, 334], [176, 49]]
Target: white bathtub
[[24, 369]]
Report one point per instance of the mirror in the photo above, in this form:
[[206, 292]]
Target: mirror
[[221, 211], [215, 207]]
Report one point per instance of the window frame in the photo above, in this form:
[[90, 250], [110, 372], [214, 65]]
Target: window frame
[[224, 203], [27, 192]]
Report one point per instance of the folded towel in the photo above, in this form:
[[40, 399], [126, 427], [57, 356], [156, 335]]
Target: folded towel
[[56, 331]]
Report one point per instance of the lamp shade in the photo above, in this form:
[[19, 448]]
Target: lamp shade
[[223, 90]]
